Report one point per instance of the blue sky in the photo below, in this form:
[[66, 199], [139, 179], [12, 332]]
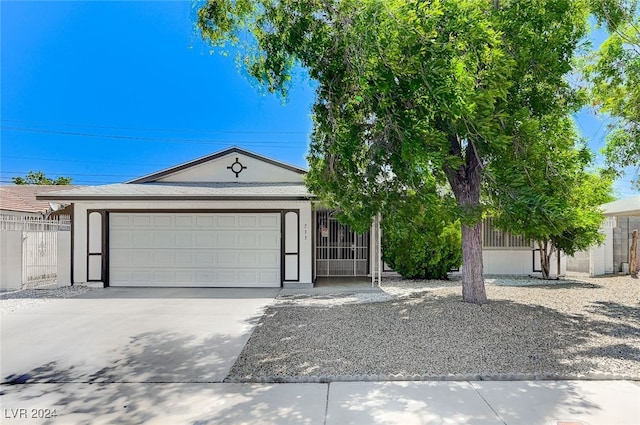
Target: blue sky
[[107, 91]]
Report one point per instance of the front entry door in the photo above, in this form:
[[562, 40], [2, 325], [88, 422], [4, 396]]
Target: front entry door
[[339, 250]]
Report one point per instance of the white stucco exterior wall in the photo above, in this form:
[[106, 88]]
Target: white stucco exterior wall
[[601, 256], [518, 262], [80, 220], [10, 259], [64, 259]]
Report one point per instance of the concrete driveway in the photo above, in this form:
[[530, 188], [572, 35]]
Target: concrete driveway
[[136, 335]]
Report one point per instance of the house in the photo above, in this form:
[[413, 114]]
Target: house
[[20, 201], [625, 214], [613, 255], [230, 219]]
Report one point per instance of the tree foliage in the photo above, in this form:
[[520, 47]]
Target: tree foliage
[[410, 92], [421, 239], [547, 193], [39, 178], [615, 76]]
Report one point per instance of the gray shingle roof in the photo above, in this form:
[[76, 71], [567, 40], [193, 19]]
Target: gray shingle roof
[[623, 207], [182, 191]]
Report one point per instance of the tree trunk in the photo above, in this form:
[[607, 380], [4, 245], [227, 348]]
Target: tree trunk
[[465, 182], [472, 277], [545, 259]]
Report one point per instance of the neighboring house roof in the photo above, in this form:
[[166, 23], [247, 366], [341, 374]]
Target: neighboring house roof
[[184, 191], [623, 207], [22, 198]]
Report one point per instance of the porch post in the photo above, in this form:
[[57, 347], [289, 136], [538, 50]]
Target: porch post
[[379, 230]]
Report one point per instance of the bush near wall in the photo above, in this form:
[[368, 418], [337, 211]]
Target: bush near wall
[[421, 241]]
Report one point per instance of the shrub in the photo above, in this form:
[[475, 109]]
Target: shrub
[[421, 242]]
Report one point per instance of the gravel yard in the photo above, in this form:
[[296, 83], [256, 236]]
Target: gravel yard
[[421, 330], [12, 301]]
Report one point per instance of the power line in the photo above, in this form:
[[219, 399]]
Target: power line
[[148, 139], [156, 129], [75, 182], [20, 173], [100, 161]]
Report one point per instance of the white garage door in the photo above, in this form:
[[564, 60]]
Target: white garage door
[[204, 249]]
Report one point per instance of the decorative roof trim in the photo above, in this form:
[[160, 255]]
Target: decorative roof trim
[[160, 174], [175, 197]]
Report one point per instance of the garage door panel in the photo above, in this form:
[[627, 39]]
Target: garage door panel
[[119, 220], [137, 256], [247, 222], [269, 222], [184, 240], [227, 259], [267, 240], [164, 276], [247, 240], [202, 278], [247, 277], [185, 258], [226, 239], [139, 275], [248, 259], [141, 221], [203, 240], [268, 276], [141, 239], [119, 277], [226, 222], [162, 258], [119, 238], [205, 258], [195, 249], [184, 220], [268, 259], [163, 221], [183, 277], [163, 239], [121, 257]]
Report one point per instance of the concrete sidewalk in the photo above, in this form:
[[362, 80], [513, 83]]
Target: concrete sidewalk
[[406, 403]]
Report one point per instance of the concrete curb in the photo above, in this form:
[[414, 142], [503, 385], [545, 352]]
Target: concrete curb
[[323, 379]]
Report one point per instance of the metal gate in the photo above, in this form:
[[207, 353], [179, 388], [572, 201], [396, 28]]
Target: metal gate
[[38, 245], [339, 250], [39, 257]]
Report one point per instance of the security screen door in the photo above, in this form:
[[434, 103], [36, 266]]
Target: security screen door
[[339, 250]]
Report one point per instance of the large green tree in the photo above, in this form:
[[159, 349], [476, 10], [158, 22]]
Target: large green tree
[[409, 91], [39, 178], [547, 192], [615, 76]]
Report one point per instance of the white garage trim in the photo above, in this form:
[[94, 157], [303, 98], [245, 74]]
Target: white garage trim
[[195, 248]]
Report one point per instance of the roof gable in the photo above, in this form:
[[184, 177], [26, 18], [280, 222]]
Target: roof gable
[[231, 165]]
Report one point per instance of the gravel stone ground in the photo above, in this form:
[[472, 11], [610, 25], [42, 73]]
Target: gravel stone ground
[[12, 301], [531, 329]]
